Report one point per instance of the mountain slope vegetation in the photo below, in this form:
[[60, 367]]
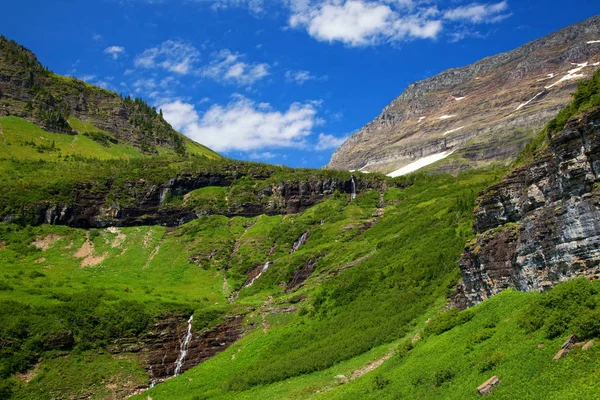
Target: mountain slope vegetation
[[281, 283], [72, 113]]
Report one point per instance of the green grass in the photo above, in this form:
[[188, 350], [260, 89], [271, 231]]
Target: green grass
[[23, 140], [343, 316]]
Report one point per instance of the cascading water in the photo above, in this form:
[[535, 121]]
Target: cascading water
[[183, 348], [262, 271], [353, 192], [301, 240]]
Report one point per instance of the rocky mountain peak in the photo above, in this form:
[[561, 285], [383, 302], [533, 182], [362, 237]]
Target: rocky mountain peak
[[481, 113]]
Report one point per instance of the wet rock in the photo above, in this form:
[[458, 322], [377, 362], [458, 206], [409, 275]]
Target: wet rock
[[159, 347]]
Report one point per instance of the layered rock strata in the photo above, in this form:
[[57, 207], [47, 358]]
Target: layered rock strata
[[541, 224]]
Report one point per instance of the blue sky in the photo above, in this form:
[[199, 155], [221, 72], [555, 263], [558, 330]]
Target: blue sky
[[275, 81]]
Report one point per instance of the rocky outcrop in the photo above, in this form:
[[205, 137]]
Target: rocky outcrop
[[541, 224], [159, 347], [483, 112], [103, 204]]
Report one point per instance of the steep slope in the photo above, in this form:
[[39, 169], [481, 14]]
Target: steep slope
[[86, 113], [541, 224], [480, 113]]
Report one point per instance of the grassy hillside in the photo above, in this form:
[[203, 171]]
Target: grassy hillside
[[77, 114], [142, 273]]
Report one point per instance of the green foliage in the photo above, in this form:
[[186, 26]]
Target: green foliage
[[447, 320], [572, 307]]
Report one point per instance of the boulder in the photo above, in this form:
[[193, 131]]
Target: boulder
[[487, 386]]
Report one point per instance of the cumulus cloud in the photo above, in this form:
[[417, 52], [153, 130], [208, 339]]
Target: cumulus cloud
[[243, 124], [479, 13], [229, 67], [114, 51], [173, 56], [327, 142], [362, 22]]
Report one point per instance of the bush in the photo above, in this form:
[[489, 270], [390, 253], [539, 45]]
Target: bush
[[448, 320], [443, 376]]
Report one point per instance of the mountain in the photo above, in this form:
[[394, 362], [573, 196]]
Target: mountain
[[479, 114], [170, 276], [541, 224], [45, 113]]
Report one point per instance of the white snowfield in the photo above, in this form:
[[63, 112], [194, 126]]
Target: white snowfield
[[571, 74], [420, 163], [447, 116], [530, 100], [593, 41], [453, 130]]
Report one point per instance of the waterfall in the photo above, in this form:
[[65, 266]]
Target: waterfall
[[301, 240], [262, 271], [183, 348], [353, 192]]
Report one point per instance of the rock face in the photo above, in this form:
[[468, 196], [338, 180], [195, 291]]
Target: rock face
[[160, 346], [99, 205], [483, 112], [541, 224]]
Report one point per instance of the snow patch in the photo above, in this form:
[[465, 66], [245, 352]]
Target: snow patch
[[420, 163], [459, 98], [549, 76], [421, 119], [447, 116], [530, 100], [571, 74], [453, 130], [593, 41]]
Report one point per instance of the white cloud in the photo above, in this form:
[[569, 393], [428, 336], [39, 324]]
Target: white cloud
[[255, 6], [97, 37], [114, 51], [229, 67], [300, 76], [329, 142], [265, 155], [244, 125], [479, 13], [173, 56], [88, 78], [362, 22]]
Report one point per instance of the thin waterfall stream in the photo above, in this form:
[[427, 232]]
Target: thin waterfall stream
[[183, 348]]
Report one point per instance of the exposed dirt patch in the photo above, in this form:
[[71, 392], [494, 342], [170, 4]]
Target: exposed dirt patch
[[119, 239], [92, 261], [154, 252], [86, 252], [370, 366], [147, 238], [44, 243], [40, 260], [29, 374]]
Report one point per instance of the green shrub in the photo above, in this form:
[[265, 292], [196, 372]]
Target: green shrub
[[447, 320]]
